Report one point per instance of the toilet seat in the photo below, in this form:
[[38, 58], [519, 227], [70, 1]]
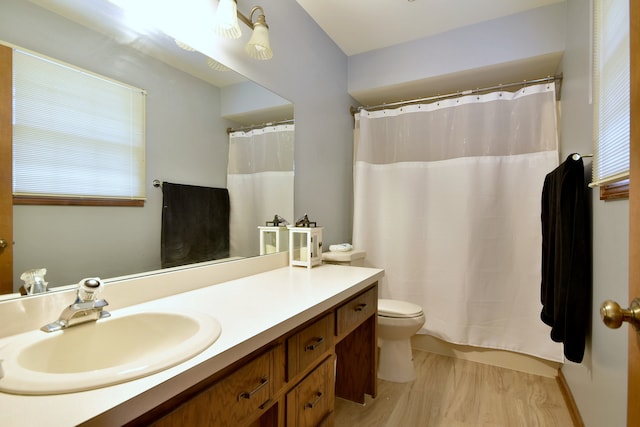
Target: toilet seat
[[398, 309]]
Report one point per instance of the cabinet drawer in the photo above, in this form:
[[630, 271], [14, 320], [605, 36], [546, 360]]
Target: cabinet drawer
[[311, 402], [356, 310], [242, 395], [245, 391], [308, 345]]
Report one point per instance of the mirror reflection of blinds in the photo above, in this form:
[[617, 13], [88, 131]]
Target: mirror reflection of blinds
[[75, 134], [612, 101]]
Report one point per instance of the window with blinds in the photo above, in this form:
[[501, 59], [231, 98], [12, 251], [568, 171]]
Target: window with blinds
[[612, 96], [76, 135]]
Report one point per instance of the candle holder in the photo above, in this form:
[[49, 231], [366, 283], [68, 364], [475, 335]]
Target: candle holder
[[305, 243], [273, 236]]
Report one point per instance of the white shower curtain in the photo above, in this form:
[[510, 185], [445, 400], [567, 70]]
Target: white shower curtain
[[260, 183], [448, 202]]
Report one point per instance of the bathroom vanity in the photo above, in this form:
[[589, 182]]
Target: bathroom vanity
[[292, 340], [290, 381]]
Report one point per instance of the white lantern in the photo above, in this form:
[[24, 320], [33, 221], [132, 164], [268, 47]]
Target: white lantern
[[305, 246], [273, 239]]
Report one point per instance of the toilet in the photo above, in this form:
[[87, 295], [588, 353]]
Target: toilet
[[398, 321]]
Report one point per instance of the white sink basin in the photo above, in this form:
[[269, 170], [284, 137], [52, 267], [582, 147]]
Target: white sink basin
[[106, 352]]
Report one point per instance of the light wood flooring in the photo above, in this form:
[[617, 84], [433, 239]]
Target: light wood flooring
[[452, 392]]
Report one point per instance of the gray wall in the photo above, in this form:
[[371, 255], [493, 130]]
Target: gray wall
[[238, 99], [599, 384], [473, 51], [311, 71]]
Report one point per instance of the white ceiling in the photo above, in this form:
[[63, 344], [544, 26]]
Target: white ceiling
[[358, 26]]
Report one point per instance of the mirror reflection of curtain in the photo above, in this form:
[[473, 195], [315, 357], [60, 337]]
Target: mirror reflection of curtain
[[448, 202], [260, 182]]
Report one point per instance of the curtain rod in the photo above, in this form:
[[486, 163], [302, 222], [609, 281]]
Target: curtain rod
[[260, 126], [523, 83]]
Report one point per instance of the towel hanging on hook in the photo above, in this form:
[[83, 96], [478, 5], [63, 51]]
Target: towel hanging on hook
[[566, 285]]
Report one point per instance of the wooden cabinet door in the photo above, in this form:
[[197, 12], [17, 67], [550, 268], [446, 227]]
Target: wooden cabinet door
[[311, 403], [307, 346], [241, 396], [6, 192]]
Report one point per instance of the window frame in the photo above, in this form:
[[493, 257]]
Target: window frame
[[615, 191]]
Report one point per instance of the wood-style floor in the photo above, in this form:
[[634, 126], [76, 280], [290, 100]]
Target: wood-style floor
[[451, 392]]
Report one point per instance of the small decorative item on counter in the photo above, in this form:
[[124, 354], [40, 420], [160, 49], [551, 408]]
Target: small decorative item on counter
[[277, 221], [273, 236], [305, 243], [304, 222], [33, 281]]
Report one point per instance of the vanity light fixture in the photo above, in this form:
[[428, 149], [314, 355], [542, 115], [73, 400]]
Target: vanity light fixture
[[225, 22], [226, 25]]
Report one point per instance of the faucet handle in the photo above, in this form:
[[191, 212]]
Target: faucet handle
[[89, 288]]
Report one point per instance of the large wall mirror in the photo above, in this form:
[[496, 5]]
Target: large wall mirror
[[189, 108]]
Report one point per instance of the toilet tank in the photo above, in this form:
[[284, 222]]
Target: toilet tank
[[354, 257]]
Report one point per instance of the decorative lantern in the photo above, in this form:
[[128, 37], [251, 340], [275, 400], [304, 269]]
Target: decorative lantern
[[305, 243], [273, 236]]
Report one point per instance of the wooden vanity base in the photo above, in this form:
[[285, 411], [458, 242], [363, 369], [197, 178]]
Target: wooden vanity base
[[292, 381]]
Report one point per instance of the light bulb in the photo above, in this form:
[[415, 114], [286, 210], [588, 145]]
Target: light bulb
[[226, 20]]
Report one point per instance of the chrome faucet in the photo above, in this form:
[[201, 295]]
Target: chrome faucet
[[86, 307]]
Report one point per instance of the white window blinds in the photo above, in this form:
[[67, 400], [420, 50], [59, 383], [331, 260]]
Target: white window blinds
[[611, 81], [75, 134]]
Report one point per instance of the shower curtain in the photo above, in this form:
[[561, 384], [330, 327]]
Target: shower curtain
[[260, 183], [447, 199]]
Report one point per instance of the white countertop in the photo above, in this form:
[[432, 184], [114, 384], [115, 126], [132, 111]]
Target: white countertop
[[252, 311]]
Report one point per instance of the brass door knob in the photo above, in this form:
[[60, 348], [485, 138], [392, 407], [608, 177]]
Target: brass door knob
[[613, 315], [3, 243]]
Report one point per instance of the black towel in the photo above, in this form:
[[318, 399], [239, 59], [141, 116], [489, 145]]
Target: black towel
[[195, 224], [566, 257]]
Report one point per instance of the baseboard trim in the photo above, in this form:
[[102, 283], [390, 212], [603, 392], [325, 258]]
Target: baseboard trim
[[568, 398]]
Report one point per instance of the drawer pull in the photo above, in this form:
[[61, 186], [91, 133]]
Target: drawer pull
[[315, 344], [247, 394], [360, 307], [310, 405], [264, 405]]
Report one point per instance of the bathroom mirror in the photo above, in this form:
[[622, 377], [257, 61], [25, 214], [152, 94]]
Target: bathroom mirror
[[190, 106]]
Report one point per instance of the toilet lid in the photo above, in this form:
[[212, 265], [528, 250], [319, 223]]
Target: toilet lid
[[396, 308]]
